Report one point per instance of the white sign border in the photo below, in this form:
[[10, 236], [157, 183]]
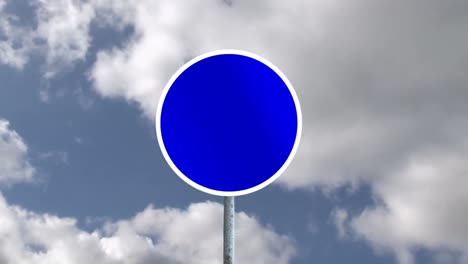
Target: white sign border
[[168, 158]]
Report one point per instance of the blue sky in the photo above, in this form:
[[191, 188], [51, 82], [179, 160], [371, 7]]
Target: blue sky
[[380, 176]]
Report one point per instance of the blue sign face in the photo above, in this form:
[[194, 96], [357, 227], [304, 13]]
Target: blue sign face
[[228, 123]]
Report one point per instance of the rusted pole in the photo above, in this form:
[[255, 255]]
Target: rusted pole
[[229, 214]]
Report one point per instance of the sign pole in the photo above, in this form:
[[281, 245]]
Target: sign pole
[[229, 239], [252, 126]]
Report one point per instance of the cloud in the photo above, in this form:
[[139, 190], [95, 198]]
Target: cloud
[[60, 34], [64, 26], [14, 164], [15, 40], [382, 86], [168, 33], [340, 217], [384, 83], [165, 235], [423, 205], [60, 157]]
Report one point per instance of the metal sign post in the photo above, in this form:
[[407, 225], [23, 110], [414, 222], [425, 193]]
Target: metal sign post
[[229, 229]]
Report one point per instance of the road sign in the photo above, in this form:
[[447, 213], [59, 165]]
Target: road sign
[[228, 122]]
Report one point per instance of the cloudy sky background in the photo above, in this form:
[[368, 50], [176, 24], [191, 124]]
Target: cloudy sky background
[[381, 175]]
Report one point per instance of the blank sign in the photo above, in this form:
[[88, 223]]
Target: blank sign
[[228, 122]]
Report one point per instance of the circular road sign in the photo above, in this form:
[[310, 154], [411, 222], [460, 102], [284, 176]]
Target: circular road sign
[[228, 122]]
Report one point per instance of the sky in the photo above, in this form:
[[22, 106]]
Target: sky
[[380, 176]]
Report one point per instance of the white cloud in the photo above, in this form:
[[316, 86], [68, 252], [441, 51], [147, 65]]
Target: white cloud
[[381, 85], [167, 33], [14, 164], [61, 35], [64, 25], [423, 205], [154, 235], [15, 41]]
